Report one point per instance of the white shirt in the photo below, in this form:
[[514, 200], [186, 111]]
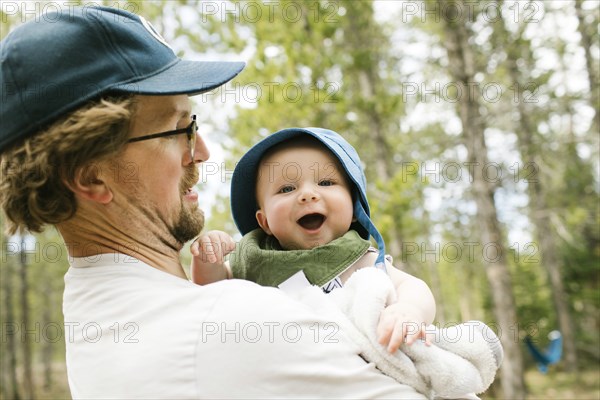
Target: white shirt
[[133, 331]]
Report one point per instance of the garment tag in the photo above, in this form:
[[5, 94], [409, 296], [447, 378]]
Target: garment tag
[[295, 283]]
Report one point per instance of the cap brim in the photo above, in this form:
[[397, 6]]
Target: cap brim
[[185, 77]]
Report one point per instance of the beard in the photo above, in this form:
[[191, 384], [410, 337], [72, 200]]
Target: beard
[[190, 221], [189, 224]]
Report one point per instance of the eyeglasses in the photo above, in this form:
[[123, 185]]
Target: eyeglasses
[[191, 131]]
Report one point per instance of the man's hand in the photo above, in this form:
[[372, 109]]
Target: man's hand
[[401, 323], [209, 251]]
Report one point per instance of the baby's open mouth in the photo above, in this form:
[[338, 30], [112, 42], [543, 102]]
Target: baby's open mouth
[[311, 221]]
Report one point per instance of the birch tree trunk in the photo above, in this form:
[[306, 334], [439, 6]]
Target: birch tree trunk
[[462, 70]]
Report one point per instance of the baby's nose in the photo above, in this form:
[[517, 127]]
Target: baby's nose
[[308, 195]]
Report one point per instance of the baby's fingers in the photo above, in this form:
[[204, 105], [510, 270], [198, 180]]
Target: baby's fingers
[[412, 332], [228, 244], [396, 338], [416, 332], [385, 328], [209, 249], [429, 337], [195, 248]]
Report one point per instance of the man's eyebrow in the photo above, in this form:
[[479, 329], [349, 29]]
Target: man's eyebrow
[[169, 111], [184, 113], [179, 113]]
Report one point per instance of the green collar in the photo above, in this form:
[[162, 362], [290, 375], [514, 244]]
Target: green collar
[[259, 258]]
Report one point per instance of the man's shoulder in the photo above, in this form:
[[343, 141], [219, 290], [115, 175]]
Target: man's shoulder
[[242, 294]]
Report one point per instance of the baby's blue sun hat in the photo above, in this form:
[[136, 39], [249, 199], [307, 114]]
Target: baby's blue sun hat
[[243, 181]]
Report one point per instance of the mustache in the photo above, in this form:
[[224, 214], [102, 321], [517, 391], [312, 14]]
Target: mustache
[[191, 177]]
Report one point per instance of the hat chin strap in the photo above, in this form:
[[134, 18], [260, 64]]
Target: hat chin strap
[[364, 220]]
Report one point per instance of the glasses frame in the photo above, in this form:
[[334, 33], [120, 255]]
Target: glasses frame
[[191, 130]]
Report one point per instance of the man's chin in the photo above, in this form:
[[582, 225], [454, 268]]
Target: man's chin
[[189, 224]]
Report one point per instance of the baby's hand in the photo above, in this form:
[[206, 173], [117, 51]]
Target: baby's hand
[[208, 262], [212, 247], [400, 323]]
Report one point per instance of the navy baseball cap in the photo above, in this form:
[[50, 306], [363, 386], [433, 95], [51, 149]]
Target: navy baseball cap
[[243, 181], [58, 62]]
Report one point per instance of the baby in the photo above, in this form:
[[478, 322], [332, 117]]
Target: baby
[[299, 197]]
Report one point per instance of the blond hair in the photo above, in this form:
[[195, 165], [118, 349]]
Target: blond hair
[[33, 192]]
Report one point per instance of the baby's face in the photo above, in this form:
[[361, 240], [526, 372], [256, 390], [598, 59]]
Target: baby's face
[[304, 196]]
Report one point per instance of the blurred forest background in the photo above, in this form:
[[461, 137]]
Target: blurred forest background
[[478, 126]]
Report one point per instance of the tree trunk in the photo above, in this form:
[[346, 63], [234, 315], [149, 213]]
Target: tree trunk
[[11, 350], [436, 288], [46, 317], [462, 70], [465, 300], [27, 361], [362, 35], [586, 43], [539, 212], [382, 157]]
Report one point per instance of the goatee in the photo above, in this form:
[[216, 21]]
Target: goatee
[[191, 220], [189, 225]]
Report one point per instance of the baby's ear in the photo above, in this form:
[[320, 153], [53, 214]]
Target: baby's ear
[[261, 218]]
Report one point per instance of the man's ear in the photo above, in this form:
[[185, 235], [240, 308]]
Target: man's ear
[[261, 218], [88, 183]]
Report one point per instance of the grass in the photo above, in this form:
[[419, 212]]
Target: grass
[[554, 385], [557, 385], [58, 390], [561, 385]]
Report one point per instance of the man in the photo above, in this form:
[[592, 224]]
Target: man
[[98, 139]]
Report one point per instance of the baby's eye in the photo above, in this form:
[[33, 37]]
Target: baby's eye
[[326, 182], [286, 189]]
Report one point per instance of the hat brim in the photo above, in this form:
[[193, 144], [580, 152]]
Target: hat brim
[[184, 77]]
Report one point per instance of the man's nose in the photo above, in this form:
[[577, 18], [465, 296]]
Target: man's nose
[[201, 152]]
